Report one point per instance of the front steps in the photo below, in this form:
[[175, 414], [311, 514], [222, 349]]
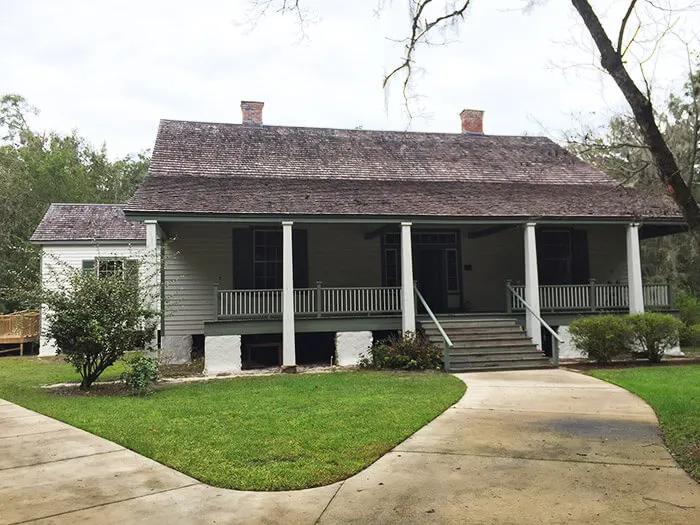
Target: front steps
[[489, 343]]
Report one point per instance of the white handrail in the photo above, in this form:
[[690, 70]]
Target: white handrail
[[447, 339], [544, 323]]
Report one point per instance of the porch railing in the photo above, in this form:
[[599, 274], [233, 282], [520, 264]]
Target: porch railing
[[590, 297], [319, 301]]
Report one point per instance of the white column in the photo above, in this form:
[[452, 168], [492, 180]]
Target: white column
[[150, 271], [408, 302], [288, 349], [532, 286], [634, 270]]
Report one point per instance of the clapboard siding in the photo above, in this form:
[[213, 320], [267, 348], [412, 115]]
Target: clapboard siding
[[58, 260], [607, 248], [500, 256], [198, 257], [339, 255]]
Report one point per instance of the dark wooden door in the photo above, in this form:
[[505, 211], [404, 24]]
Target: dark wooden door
[[429, 264]]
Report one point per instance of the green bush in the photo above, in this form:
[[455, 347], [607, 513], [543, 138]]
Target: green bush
[[655, 333], [142, 371], [96, 319], [691, 335], [689, 310], [403, 352], [601, 338]]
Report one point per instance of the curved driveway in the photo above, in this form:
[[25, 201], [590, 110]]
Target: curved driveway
[[547, 446]]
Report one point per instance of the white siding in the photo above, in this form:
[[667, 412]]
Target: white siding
[[198, 257], [607, 251], [58, 260], [339, 255], [493, 258], [499, 256]]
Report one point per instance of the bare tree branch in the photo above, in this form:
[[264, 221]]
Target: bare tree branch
[[665, 162], [420, 29], [621, 35]]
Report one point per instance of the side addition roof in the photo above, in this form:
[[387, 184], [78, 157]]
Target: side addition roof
[[87, 222], [230, 169]]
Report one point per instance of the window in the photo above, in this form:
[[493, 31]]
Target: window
[[267, 259], [106, 267], [554, 251], [391, 267], [109, 267], [452, 272]]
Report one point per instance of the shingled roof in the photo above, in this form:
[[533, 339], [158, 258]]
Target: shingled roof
[[87, 222], [232, 169]]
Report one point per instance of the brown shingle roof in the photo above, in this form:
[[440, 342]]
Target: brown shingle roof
[[233, 169], [87, 222]]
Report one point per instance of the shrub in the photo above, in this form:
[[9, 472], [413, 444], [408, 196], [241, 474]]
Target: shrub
[[655, 333], [691, 335], [96, 319], [689, 310], [601, 338], [403, 352], [141, 373]]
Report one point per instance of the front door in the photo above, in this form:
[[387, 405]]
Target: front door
[[435, 266], [429, 271]]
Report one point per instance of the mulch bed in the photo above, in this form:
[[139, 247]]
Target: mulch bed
[[97, 389]]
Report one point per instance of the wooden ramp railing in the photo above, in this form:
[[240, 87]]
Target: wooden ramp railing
[[19, 328]]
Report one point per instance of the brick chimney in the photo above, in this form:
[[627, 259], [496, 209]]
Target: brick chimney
[[252, 113], [472, 121]]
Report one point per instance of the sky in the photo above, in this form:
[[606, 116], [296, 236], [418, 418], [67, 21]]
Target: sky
[[112, 69]]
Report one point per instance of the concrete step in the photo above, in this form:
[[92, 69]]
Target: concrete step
[[528, 351], [498, 358], [448, 324], [493, 366], [522, 342], [503, 332], [457, 338]]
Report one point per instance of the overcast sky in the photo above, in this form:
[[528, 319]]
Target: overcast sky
[[112, 69]]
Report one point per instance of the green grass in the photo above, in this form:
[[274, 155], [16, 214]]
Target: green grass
[[674, 393], [258, 433]]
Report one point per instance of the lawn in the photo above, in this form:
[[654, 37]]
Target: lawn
[[257, 433], [674, 393]]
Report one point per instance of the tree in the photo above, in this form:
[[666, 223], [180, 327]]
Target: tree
[[619, 150], [38, 169], [423, 25], [95, 319]]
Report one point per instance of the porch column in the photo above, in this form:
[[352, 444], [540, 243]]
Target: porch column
[[408, 297], [532, 286], [288, 350], [150, 278], [634, 270]]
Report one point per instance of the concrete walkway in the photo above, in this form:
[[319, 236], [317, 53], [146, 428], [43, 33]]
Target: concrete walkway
[[547, 446]]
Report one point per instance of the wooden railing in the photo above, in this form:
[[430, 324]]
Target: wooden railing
[[590, 297], [19, 328], [20, 324], [318, 301]]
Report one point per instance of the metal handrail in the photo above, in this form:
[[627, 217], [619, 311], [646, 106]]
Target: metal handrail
[[447, 339], [555, 349]]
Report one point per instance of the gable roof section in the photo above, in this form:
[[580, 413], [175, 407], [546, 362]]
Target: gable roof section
[[233, 169], [87, 222]]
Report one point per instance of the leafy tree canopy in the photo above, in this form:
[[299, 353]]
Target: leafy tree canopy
[[37, 169]]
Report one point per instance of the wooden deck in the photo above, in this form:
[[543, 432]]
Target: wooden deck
[[18, 328]]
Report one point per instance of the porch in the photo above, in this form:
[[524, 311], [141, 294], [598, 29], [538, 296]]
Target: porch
[[233, 286], [322, 301]]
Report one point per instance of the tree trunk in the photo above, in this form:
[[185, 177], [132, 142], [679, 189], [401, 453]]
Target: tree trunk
[[665, 162]]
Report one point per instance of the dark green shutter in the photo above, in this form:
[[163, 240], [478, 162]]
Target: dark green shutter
[[300, 254], [89, 266], [243, 259], [580, 266]]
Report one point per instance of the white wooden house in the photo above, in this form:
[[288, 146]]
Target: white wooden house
[[285, 245]]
